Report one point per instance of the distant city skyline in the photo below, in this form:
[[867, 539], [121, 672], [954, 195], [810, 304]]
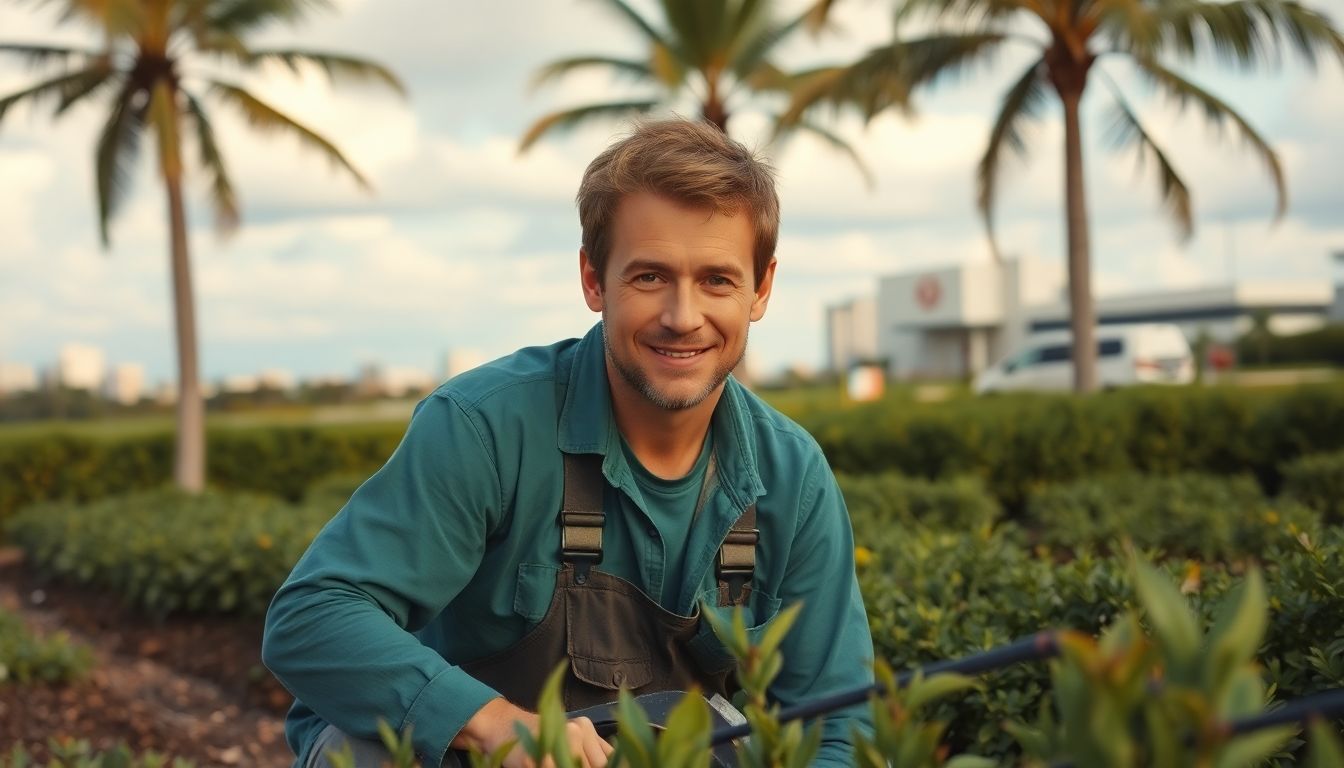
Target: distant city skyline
[[468, 244]]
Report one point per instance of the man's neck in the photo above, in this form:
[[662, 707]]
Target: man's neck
[[666, 442]]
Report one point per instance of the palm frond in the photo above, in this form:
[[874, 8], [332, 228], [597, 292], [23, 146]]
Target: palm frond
[[1022, 102], [569, 118], [338, 67], [115, 158], [751, 50], [67, 88], [638, 70], [630, 16], [1243, 32], [41, 55], [264, 117], [973, 14], [1218, 114], [887, 75], [212, 160], [836, 142], [1126, 130], [240, 16]]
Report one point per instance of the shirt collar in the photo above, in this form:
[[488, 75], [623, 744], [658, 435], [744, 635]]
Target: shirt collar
[[587, 426]]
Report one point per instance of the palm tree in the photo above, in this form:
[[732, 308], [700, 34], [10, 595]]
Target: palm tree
[[1072, 38], [145, 74], [717, 50]]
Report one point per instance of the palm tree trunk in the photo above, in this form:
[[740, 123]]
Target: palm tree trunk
[[1082, 314], [189, 457]]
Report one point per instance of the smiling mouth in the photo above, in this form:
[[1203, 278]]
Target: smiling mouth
[[678, 355]]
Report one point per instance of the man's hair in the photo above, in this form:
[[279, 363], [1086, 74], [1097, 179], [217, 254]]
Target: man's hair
[[690, 162]]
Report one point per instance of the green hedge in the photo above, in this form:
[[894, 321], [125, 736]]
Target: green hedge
[[1020, 443], [935, 595], [1323, 346], [1317, 480], [163, 551], [277, 461], [1208, 516], [884, 504], [27, 658]]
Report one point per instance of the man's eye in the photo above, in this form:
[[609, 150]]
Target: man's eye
[[719, 281], [647, 277]]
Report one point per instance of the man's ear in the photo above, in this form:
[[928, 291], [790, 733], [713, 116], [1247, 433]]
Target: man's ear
[[763, 292], [591, 281]]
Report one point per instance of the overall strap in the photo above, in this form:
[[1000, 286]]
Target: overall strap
[[737, 559], [581, 516]]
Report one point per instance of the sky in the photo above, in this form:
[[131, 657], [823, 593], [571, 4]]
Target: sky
[[467, 245]]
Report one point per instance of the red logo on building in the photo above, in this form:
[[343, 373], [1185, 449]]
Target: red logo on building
[[928, 292]]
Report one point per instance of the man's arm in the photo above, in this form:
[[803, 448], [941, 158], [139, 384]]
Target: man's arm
[[338, 631], [829, 648]]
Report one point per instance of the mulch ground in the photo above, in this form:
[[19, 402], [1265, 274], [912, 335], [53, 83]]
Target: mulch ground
[[190, 687]]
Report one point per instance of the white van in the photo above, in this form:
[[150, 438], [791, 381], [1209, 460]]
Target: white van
[[1126, 354]]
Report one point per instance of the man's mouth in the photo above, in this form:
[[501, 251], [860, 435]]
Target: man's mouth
[[678, 354]]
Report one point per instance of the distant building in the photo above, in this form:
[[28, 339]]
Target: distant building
[[276, 379], [392, 381], [17, 377], [239, 384], [460, 361], [80, 366], [125, 384], [851, 333], [955, 321]]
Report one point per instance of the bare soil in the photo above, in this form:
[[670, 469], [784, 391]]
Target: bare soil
[[190, 687]]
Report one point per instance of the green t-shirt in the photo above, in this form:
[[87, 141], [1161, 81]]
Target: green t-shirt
[[673, 507]]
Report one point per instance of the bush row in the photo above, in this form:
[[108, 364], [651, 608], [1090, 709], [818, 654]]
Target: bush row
[[163, 551], [1016, 444], [281, 462], [935, 595], [27, 658]]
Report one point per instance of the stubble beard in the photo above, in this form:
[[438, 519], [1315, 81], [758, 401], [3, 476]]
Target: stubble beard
[[639, 380]]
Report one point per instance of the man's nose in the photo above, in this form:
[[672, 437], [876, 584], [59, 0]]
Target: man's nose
[[683, 313]]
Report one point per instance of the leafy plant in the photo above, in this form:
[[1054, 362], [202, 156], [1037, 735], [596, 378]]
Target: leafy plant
[[26, 658]]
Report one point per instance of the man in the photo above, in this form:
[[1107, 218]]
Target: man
[[581, 501]]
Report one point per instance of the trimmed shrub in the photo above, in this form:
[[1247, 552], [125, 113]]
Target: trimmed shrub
[[27, 658], [164, 551], [1317, 481], [275, 461], [1205, 516], [879, 502]]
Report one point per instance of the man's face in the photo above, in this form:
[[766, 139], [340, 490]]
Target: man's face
[[676, 299]]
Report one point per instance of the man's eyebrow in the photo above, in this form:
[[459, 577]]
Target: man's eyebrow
[[645, 265]]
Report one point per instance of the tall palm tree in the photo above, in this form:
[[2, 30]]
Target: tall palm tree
[[1070, 40], [147, 72], [717, 50]]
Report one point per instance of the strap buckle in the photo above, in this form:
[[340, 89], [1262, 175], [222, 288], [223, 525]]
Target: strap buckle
[[581, 541], [737, 562]]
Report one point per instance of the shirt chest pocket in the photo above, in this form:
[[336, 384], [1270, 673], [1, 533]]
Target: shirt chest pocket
[[534, 591]]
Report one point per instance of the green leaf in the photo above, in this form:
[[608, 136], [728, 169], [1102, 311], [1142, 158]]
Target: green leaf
[[779, 627], [1238, 630], [923, 691], [1171, 618], [1253, 749], [685, 742], [1325, 749]]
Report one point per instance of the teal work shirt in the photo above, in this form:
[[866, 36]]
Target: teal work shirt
[[449, 552]]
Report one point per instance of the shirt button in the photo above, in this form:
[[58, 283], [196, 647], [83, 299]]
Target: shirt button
[[653, 532]]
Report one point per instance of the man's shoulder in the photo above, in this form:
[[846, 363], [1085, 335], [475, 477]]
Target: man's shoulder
[[525, 373]]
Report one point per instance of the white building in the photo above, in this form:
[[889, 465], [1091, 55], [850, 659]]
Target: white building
[[80, 366], [125, 384], [277, 379], [956, 321], [851, 333], [460, 361], [17, 377], [952, 322]]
